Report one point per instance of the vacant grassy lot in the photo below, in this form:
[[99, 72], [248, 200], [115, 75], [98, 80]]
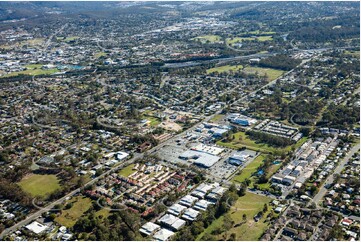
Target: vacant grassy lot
[[6, 47], [217, 118], [226, 68], [249, 169], [39, 185], [69, 216], [126, 171], [32, 42], [271, 73], [210, 38], [250, 205]]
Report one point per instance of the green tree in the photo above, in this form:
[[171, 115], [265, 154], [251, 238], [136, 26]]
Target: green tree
[[242, 190]]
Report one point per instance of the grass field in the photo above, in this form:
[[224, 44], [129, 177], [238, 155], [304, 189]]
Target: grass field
[[34, 66], [242, 140], [30, 42], [271, 73], [154, 121], [6, 47], [36, 41], [126, 171], [67, 39], [263, 52], [264, 38], [226, 68], [32, 72], [238, 40], [102, 212], [217, 118], [249, 169], [69, 216], [210, 38], [100, 54], [355, 54], [40, 185], [234, 40], [250, 205], [299, 143], [257, 32]]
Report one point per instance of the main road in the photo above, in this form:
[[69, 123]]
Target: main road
[[119, 166]]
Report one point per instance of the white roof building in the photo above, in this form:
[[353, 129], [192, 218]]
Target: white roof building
[[188, 200], [176, 209], [172, 221], [178, 224], [149, 228], [66, 236], [36, 227], [202, 190], [200, 158], [121, 155], [212, 150], [163, 235], [201, 205], [167, 219], [216, 193], [190, 214]]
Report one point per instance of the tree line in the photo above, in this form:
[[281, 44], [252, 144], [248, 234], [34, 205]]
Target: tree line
[[269, 138], [282, 62]]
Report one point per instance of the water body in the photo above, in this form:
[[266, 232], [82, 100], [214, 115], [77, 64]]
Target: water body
[[72, 67], [260, 172]]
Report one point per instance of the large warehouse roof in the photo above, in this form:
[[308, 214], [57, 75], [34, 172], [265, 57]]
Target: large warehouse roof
[[200, 158]]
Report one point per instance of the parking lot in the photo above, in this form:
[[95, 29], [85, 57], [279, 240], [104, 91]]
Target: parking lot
[[170, 153], [222, 169]]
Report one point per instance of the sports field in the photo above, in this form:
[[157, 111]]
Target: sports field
[[39, 185], [272, 74], [32, 72], [227, 68]]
